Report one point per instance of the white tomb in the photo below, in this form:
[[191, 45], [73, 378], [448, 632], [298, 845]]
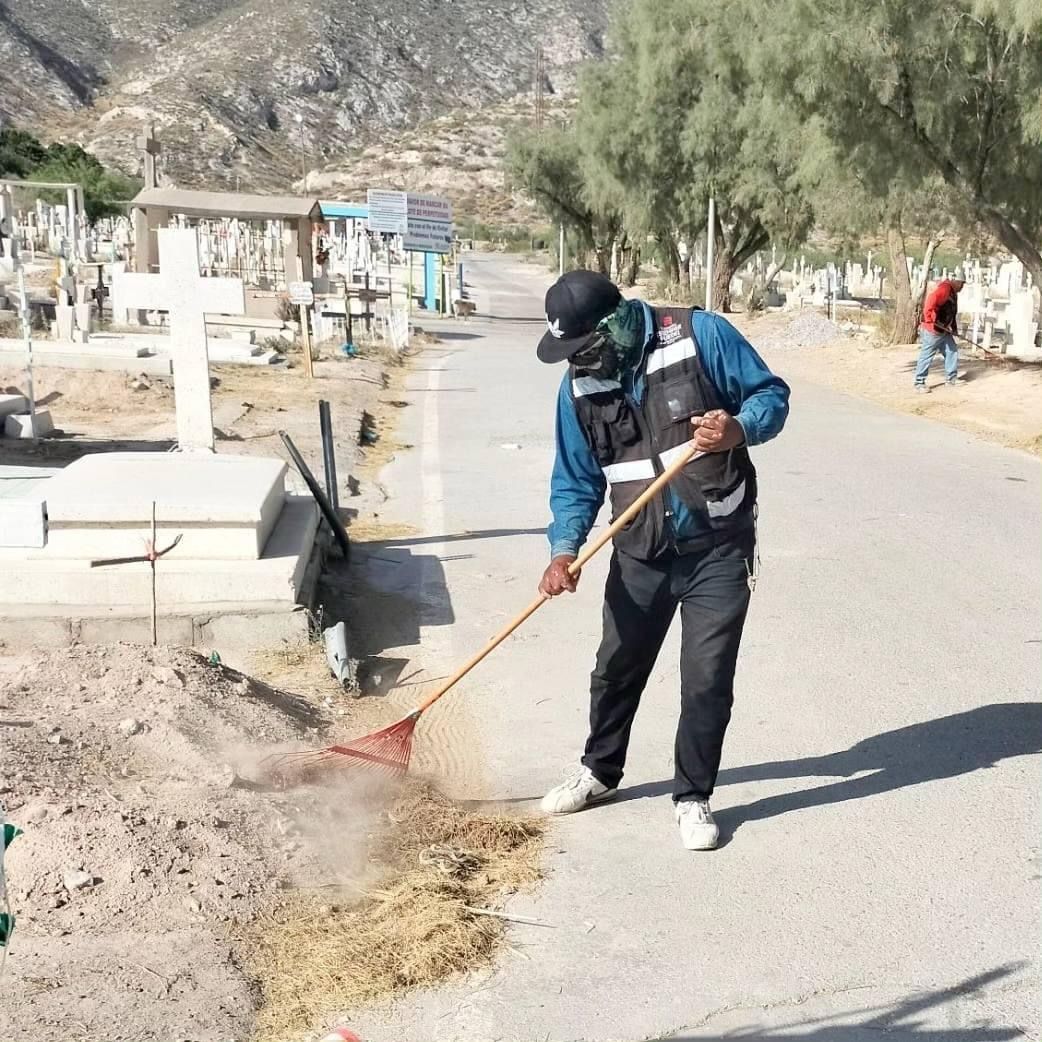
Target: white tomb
[[226, 507]]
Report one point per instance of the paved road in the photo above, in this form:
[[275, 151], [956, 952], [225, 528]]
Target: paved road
[[879, 798]]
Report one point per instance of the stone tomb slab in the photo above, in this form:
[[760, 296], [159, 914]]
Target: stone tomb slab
[[225, 507], [13, 405]]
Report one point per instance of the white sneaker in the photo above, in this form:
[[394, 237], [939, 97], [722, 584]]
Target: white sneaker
[[698, 830], [581, 791]]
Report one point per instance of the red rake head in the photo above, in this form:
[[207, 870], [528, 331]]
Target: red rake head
[[386, 751]]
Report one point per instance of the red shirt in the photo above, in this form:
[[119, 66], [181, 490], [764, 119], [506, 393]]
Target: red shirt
[[941, 308]]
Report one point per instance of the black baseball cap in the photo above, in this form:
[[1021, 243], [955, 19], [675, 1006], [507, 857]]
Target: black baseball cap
[[575, 304]]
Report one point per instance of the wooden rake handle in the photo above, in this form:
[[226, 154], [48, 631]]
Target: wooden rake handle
[[608, 534]]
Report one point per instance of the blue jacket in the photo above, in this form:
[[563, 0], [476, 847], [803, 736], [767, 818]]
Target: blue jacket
[[757, 398]]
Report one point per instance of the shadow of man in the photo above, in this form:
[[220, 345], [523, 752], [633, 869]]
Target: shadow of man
[[900, 1022], [922, 752]]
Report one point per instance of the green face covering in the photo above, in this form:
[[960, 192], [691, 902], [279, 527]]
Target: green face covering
[[625, 326]]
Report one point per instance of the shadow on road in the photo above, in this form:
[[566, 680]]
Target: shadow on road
[[922, 752], [898, 1022], [457, 537], [385, 596], [518, 319]]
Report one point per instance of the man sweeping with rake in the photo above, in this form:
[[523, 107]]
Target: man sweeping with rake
[[643, 385]]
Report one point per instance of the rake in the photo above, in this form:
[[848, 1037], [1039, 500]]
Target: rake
[[389, 749]]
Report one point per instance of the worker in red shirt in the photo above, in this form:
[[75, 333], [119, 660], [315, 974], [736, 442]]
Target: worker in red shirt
[[937, 332]]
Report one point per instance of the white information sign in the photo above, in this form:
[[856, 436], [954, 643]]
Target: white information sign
[[429, 224], [387, 211], [301, 293]]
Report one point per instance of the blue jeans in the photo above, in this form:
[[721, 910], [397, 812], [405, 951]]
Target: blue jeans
[[929, 345]]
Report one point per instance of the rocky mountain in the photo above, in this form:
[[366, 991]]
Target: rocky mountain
[[250, 92], [458, 155]]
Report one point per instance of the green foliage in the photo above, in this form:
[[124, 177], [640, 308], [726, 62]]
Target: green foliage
[[20, 153], [547, 164], [676, 116], [23, 157], [911, 90]]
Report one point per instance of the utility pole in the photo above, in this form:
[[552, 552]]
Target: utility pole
[[560, 253], [710, 250], [537, 86]]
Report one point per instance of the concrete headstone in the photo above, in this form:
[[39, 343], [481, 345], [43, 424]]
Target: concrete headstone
[[1020, 322], [85, 316], [64, 321]]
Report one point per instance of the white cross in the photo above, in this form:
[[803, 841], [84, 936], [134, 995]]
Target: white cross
[[187, 297]]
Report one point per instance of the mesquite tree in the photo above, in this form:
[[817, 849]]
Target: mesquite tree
[[674, 116], [546, 164], [910, 89]]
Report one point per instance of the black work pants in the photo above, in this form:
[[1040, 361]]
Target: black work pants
[[640, 599]]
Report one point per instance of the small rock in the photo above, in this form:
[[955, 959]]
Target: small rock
[[76, 879], [173, 824], [511, 446], [57, 739], [242, 687], [228, 777], [31, 813], [129, 726], [167, 675], [56, 901], [193, 904]]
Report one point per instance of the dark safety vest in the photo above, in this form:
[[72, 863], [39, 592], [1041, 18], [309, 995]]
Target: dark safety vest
[[635, 443]]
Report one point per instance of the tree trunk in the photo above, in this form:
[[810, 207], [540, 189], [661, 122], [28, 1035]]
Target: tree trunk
[[919, 298], [724, 267], [1014, 240], [632, 266], [672, 260], [905, 325], [603, 259]]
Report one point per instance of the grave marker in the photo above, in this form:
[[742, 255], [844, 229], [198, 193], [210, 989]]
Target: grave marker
[[151, 148], [186, 296]]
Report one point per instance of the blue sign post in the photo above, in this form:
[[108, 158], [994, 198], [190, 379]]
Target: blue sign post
[[430, 282]]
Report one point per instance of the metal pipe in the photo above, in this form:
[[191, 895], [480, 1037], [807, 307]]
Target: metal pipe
[[334, 522], [328, 453]]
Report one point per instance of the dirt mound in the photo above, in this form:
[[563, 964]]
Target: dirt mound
[[807, 329], [145, 841]]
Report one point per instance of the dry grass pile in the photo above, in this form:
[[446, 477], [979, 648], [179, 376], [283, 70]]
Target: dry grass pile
[[368, 530], [315, 960]]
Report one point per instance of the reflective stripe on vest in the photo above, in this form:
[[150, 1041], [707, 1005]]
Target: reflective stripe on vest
[[584, 385], [630, 470], [671, 354], [670, 455], [729, 504]]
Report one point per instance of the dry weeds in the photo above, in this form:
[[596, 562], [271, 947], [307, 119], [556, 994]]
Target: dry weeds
[[299, 666], [367, 530], [315, 960]]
